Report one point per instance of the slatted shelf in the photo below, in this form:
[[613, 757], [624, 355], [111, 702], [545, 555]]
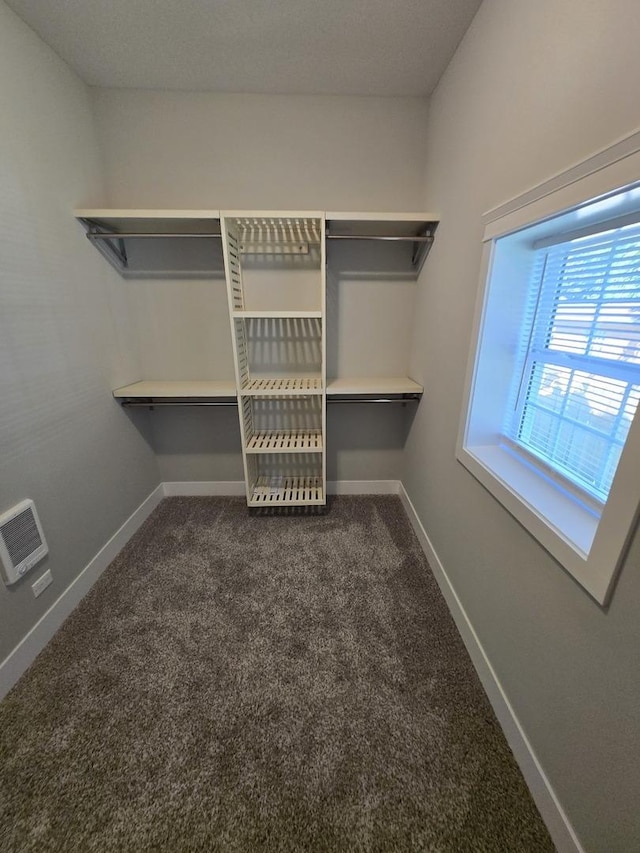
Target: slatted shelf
[[278, 229], [286, 491], [283, 441], [280, 387]]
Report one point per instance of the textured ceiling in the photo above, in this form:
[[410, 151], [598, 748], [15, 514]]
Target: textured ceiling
[[356, 47]]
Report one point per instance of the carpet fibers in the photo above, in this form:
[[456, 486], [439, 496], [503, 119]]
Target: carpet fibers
[[245, 683]]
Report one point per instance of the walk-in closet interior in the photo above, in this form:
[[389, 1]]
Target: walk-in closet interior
[[243, 443]]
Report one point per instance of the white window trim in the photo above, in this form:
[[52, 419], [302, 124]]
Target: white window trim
[[590, 549]]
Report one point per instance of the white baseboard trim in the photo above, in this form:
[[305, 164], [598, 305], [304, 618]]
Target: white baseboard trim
[[17, 662], [203, 488], [557, 822], [213, 488], [363, 487]]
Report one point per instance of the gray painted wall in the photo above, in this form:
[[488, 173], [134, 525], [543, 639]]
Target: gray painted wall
[[178, 149], [533, 89], [265, 152], [65, 331]]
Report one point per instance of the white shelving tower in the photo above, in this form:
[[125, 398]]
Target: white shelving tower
[[276, 285]]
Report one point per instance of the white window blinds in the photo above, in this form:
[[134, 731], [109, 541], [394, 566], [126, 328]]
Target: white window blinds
[[579, 384]]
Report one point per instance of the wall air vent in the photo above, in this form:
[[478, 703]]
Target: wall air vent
[[22, 542]]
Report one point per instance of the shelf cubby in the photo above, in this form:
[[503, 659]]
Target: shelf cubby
[[285, 480], [287, 491], [288, 346], [289, 425]]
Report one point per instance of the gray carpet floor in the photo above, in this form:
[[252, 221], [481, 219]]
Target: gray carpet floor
[[246, 683]]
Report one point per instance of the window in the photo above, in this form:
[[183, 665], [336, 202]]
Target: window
[[550, 426], [578, 387]]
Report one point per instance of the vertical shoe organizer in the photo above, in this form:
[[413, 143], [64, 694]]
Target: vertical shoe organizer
[[275, 271]]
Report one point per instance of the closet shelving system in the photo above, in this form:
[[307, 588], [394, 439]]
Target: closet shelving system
[[275, 267], [275, 272]]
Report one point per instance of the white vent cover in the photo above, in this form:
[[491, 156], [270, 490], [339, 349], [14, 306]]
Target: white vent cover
[[22, 542]]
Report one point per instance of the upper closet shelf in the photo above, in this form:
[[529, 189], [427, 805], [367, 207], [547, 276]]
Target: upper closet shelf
[[156, 243], [416, 230], [186, 243]]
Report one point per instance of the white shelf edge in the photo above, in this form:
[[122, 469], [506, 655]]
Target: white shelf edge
[[176, 389], [143, 213], [252, 502], [304, 392], [381, 216], [280, 451], [277, 315], [226, 388], [373, 385], [183, 213]]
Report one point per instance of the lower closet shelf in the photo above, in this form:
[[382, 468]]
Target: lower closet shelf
[[286, 491], [149, 393]]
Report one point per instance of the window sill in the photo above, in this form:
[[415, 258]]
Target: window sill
[[536, 494], [556, 519]]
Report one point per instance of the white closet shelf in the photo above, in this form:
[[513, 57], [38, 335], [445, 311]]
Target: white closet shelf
[[416, 229], [373, 223], [149, 221], [283, 386], [110, 229], [286, 491], [277, 315], [283, 441], [371, 385], [120, 235], [176, 390]]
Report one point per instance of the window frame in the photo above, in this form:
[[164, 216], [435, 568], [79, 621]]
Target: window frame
[[589, 544]]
